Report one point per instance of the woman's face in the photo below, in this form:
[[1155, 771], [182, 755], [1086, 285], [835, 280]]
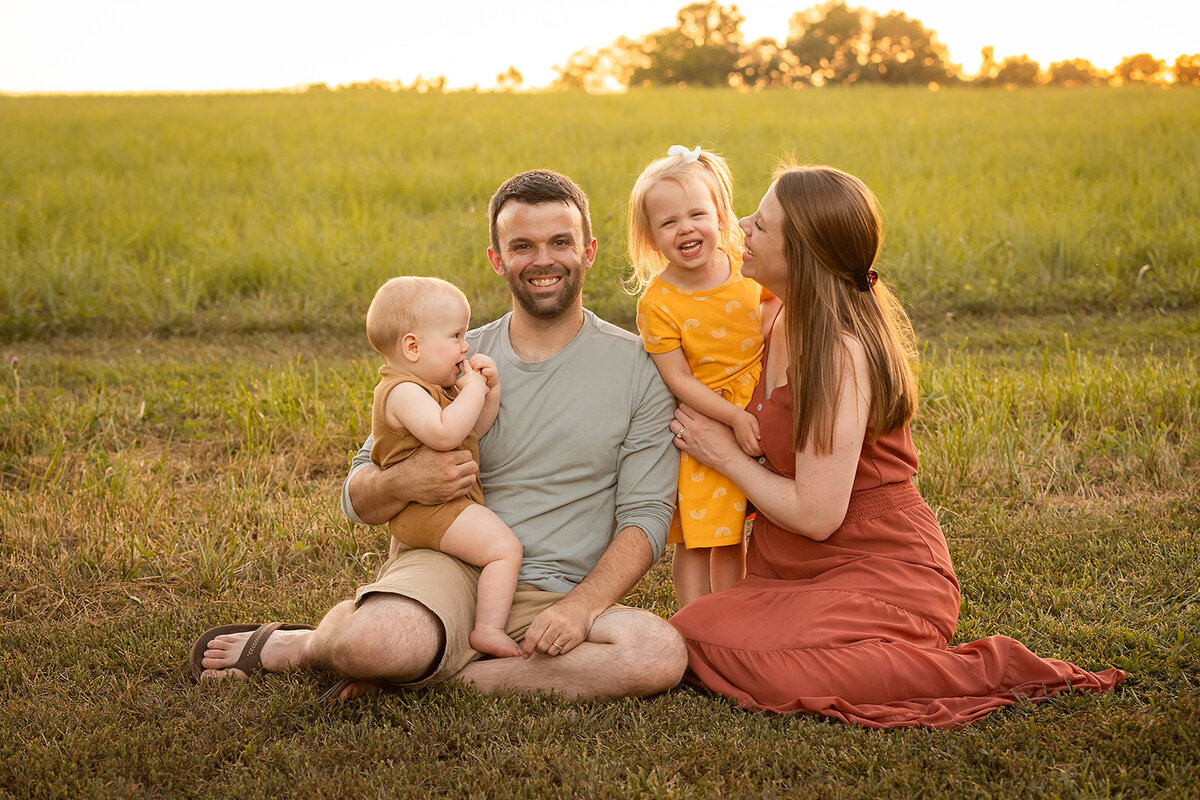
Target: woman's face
[[764, 259]]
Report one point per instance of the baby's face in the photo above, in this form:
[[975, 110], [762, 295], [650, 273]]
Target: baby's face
[[443, 341]]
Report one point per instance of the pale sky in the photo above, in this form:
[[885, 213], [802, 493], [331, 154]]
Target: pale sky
[[185, 45]]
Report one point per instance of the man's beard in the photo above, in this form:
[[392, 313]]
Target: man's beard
[[554, 306]]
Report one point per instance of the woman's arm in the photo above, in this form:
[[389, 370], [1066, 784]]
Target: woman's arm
[[814, 503]]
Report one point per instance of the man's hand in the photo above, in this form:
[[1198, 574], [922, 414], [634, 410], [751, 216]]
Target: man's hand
[[439, 477], [429, 477], [558, 629]]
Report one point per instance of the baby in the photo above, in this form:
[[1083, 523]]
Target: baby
[[431, 394]]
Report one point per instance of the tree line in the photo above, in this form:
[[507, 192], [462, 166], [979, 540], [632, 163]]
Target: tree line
[[828, 44]]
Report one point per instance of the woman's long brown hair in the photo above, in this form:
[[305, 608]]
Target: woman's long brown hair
[[832, 236]]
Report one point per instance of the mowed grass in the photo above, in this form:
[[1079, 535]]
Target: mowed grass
[[171, 453]]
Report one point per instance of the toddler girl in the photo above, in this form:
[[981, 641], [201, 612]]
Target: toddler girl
[[699, 321]]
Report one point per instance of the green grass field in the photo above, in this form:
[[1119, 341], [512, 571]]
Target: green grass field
[[182, 283]]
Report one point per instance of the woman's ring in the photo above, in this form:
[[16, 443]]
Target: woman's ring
[[680, 434]]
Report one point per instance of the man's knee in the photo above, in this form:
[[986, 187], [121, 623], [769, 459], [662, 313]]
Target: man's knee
[[387, 637], [652, 653], [669, 655]]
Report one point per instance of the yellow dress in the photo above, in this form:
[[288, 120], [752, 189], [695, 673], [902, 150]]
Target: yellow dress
[[721, 337]]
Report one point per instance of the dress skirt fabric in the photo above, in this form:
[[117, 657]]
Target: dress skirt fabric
[[864, 642], [857, 627]]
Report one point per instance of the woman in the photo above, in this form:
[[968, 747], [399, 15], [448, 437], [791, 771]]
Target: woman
[[850, 600]]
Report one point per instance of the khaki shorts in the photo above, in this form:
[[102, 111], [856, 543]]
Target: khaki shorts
[[448, 588]]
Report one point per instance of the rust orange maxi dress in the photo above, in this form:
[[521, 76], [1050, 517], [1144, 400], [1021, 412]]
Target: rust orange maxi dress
[[857, 627]]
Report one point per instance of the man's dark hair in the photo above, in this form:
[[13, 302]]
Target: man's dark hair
[[539, 186]]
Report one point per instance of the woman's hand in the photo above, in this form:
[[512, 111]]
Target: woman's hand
[[703, 438]]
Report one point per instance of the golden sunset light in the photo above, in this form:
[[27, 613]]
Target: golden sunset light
[[144, 46]]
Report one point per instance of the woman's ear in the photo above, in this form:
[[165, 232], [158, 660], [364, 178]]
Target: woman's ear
[[410, 347]]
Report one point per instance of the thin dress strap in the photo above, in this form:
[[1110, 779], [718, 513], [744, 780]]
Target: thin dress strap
[[762, 381]]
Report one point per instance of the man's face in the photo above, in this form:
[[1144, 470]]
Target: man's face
[[542, 256]]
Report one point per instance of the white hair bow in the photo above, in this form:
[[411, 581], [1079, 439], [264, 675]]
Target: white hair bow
[[689, 156]]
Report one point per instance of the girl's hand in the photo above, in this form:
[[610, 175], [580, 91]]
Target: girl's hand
[[703, 438], [486, 367], [745, 429]]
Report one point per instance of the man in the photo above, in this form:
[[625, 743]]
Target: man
[[579, 464]]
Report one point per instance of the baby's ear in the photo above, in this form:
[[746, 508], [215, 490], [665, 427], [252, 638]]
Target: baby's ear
[[410, 347]]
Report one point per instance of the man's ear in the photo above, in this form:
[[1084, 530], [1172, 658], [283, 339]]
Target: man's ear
[[410, 347], [497, 264], [589, 254]]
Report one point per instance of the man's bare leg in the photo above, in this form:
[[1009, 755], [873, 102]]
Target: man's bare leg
[[628, 653], [386, 638]]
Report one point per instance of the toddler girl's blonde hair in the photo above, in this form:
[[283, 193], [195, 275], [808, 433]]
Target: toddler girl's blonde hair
[[679, 165], [404, 304]]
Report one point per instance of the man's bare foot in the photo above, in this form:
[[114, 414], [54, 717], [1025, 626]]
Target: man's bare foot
[[494, 642], [282, 650]]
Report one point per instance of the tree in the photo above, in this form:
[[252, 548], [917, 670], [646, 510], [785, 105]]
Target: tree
[[1076, 72], [835, 43], [827, 41], [902, 50], [702, 50], [604, 69], [1018, 71], [1187, 70], [1141, 68], [988, 68], [764, 64], [510, 80]]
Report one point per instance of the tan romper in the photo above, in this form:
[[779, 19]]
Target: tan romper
[[416, 525]]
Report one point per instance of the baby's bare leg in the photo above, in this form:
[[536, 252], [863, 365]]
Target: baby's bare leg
[[481, 538]]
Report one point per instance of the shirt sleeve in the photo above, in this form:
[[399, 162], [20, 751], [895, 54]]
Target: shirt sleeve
[[361, 459], [648, 463], [659, 331]]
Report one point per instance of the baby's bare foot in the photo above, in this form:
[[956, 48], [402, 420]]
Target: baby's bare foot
[[494, 642]]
